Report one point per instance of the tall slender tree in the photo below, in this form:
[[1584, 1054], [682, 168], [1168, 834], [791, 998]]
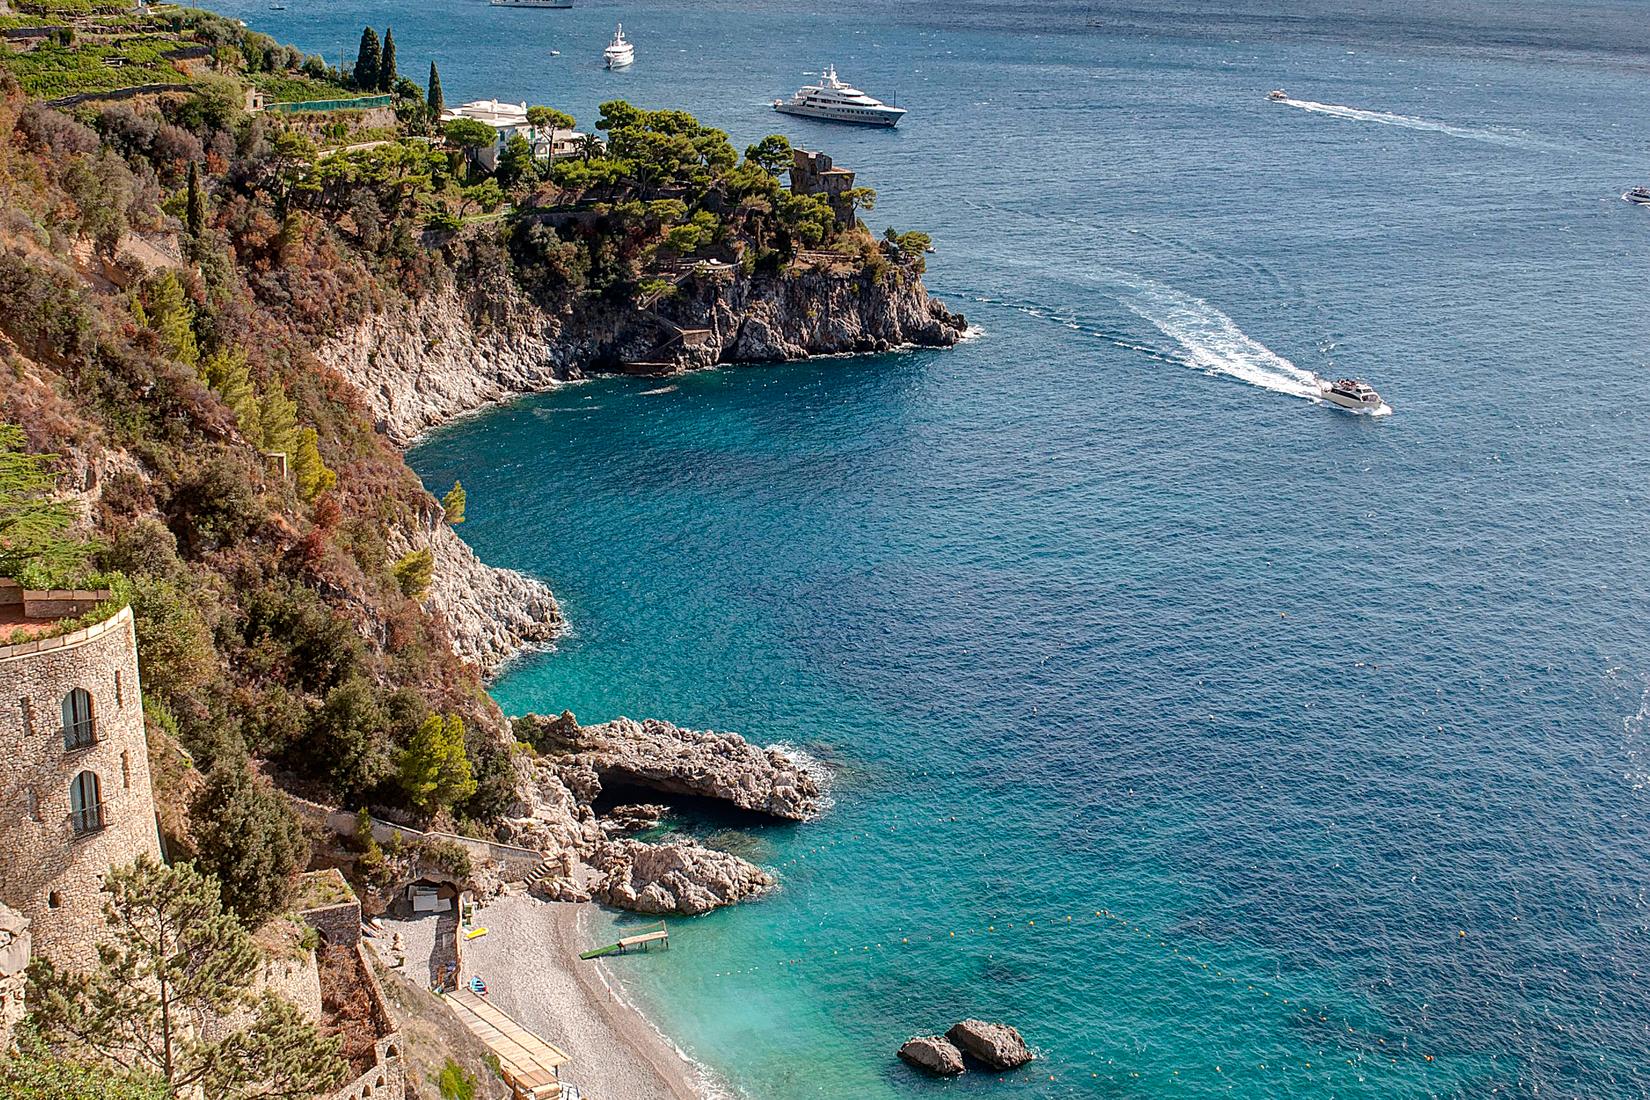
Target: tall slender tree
[[386, 63], [433, 99], [368, 61], [196, 210]]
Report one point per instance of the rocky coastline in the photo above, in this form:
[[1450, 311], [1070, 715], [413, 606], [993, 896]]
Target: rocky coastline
[[421, 363], [588, 855]]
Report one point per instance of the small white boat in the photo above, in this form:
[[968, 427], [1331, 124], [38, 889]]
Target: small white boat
[[620, 52], [1350, 393], [1277, 95], [1638, 196], [555, 53], [835, 101]]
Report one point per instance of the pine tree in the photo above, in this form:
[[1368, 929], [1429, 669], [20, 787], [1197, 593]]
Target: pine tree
[[433, 99], [226, 372], [172, 957], [248, 837], [196, 217], [278, 418], [368, 61], [453, 504], [174, 318], [309, 472], [386, 64], [435, 772]]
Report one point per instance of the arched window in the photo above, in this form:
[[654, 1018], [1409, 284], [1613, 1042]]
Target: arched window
[[85, 804], [79, 729]]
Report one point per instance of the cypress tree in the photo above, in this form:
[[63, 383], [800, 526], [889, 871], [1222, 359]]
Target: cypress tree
[[434, 100], [386, 64], [196, 216], [368, 62]]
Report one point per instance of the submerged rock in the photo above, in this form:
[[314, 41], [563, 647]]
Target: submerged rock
[[997, 1045], [675, 878], [933, 1053], [658, 756]]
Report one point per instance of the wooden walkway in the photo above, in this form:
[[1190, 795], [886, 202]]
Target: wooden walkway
[[528, 1063]]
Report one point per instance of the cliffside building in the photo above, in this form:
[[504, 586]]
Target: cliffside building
[[813, 174], [75, 795], [508, 120]]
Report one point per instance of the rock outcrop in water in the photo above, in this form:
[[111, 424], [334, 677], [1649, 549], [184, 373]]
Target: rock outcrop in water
[[420, 363], [997, 1045], [933, 1054], [658, 756], [587, 855], [492, 613]]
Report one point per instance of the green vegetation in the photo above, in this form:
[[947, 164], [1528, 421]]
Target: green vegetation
[[249, 839], [32, 1073], [55, 70], [414, 571], [435, 772], [368, 60], [35, 544], [171, 954], [454, 1083], [434, 102], [452, 505]]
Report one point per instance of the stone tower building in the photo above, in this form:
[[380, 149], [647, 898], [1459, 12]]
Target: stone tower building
[[75, 796]]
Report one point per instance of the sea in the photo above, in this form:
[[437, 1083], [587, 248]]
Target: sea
[[1225, 743]]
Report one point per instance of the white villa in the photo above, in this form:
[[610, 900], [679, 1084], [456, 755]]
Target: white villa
[[509, 119]]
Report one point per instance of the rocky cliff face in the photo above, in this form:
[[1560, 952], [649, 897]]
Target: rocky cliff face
[[586, 858], [419, 364], [493, 613]]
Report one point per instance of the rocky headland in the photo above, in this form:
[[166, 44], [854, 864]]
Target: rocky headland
[[588, 857], [420, 363]]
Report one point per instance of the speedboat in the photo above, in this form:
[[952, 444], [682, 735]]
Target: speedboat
[[1277, 95], [835, 101], [1350, 393], [620, 52], [1638, 196]]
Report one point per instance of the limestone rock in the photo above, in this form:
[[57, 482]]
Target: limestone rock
[[675, 878], [661, 757], [997, 1045], [492, 613], [623, 820], [933, 1053], [422, 362]]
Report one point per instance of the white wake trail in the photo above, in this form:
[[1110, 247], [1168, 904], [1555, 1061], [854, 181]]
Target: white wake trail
[[1212, 342], [1408, 122]]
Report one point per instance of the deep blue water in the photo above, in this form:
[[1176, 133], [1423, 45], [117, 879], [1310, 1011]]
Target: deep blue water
[[1314, 745]]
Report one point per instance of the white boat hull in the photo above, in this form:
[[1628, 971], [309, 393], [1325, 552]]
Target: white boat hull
[[620, 62], [863, 117]]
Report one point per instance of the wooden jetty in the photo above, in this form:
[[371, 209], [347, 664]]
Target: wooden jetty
[[653, 933], [528, 1063]]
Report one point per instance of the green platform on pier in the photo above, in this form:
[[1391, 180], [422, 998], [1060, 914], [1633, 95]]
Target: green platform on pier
[[653, 933]]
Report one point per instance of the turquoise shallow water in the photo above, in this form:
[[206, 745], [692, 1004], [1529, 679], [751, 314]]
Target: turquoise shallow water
[[1338, 723]]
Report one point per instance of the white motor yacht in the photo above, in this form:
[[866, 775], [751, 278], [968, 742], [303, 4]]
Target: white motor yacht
[[835, 101], [1638, 196], [1277, 95], [620, 52], [1350, 393]]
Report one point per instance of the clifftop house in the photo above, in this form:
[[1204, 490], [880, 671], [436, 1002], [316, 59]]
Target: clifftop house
[[509, 119]]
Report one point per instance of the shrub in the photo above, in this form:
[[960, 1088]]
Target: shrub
[[247, 836], [414, 572]]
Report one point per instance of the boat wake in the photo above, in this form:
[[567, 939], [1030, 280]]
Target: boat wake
[[1408, 122], [1210, 341]]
